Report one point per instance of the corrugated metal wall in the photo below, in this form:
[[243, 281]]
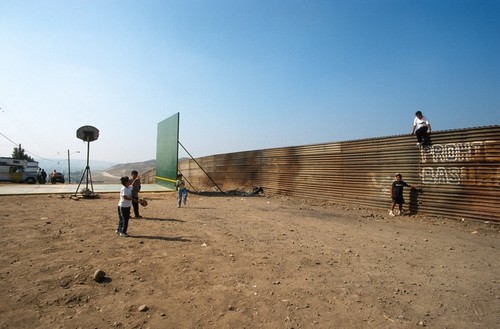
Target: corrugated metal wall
[[457, 174]]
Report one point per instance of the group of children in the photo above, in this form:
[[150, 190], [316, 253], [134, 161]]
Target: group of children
[[422, 129], [129, 197], [129, 194]]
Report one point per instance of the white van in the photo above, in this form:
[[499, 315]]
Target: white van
[[15, 170]]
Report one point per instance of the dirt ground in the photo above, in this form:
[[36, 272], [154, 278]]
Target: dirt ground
[[242, 262]]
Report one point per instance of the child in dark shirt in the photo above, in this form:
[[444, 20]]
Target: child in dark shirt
[[397, 194]]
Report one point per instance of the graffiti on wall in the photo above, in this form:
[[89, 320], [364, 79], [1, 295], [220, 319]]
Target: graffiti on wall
[[452, 152], [456, 163], [442, 175]]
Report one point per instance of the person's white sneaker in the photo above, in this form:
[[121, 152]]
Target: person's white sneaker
[[391, 213]]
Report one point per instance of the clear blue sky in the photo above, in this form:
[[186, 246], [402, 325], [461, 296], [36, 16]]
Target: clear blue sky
[[244, 74]]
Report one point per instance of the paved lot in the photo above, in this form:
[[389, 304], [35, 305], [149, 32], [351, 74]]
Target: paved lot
[[16, 189]]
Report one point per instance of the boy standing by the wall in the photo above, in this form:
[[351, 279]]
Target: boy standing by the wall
[[397, 194]]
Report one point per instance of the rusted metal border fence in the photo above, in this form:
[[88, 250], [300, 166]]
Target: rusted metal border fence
[[457, 174]]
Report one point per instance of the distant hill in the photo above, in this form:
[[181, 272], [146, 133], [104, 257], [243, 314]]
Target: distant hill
[[113, 174], [124, 169], [61, 165]]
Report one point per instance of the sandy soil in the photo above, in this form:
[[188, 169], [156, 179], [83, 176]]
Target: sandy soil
[[242, 262]]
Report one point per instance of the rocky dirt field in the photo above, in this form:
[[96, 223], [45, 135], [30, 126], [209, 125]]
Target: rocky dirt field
[[233, 261]]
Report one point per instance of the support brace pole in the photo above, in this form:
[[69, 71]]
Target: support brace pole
[[200, 167]]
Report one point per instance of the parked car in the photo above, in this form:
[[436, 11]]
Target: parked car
[[58, 179]]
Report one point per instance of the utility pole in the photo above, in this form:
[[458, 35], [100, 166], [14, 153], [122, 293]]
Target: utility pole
[[69, 170]]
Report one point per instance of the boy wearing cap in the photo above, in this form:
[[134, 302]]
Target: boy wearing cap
[[397, 194]]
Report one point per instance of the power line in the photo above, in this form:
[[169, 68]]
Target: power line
[[27, 151], [10, 140], [16, 122]]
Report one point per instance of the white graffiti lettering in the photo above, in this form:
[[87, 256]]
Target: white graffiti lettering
[[452, 152], [441, 175]]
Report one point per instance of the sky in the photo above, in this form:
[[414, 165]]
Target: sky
[[243, 74]]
